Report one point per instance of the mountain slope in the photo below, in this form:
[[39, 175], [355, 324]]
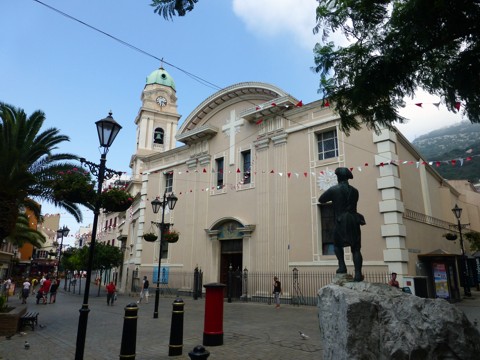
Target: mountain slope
[[456, 148]]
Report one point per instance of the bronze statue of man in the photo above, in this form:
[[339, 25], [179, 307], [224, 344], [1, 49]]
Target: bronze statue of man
[[347, 221]]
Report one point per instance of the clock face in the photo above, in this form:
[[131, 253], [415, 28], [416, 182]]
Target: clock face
[[161, 101]]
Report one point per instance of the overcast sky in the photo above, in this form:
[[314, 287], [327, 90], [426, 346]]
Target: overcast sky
[[76, 74]]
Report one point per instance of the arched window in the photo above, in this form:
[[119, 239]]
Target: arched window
[[158, 136]]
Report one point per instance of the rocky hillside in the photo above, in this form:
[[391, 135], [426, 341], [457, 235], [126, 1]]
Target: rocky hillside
[[461, 141]]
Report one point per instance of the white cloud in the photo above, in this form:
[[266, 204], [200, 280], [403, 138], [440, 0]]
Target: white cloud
[[296, 18], [274, 18], [422, 120]]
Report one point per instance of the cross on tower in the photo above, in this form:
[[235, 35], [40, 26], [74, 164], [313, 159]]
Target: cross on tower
[[230, 129]]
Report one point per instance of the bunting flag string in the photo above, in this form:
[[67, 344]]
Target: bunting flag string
[[322, 177], [457, 105]]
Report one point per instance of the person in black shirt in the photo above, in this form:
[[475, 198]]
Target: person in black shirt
[[277, 290]]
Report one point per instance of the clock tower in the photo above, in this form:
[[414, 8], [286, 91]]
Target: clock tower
[[157, 119]]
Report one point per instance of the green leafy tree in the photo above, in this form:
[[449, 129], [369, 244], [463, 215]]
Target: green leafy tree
[[397, 47], [170, 8], [29, 165], [106, 257], [474, 239]]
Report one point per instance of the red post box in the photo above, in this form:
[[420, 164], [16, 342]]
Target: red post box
[[213, 326]]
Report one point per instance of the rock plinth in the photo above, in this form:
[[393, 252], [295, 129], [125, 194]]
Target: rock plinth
[[376, 321]]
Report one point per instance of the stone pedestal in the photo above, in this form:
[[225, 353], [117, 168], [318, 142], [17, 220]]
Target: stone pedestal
[[360, 320]]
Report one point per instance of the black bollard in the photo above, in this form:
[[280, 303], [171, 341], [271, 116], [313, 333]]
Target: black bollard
[[199, 353], [176, 328], [195, 283], [129, 335]]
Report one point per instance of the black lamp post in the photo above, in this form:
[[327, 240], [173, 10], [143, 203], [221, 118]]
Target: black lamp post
[[107, 130], [466, 287], [170, 201], [61, 233]]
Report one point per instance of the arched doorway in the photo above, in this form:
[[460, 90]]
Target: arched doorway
[[231, 253]]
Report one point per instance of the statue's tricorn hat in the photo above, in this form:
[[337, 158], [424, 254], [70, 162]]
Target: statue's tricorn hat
[[343, 173]]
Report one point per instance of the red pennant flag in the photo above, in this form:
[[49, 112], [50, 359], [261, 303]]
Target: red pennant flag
[[419, 104], [273, 104], [468, 158], [258, 122], [299, 104], [191, 190], [381, 164], [289, 174], [424, 163], [366, 164], [437, 164], [454, 162], [457, 105], [272, 172], [257, 108], [238, 170], [204, 170], [351, 169], [305, 174], [326, 104]]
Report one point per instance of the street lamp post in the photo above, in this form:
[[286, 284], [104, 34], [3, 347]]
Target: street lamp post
[[107, 130], [170, 201], [466, 287], [61, 233]]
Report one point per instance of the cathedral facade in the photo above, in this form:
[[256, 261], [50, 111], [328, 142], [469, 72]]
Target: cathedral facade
[[248, 165]]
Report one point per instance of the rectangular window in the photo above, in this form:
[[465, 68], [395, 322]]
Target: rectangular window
[[169, 182], [327, 145], [165, 250], [327, 222], [219, 169], [246, 166]]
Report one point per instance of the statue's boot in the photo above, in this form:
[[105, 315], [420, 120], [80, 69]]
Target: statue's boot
[[358, 276], [342, 268]]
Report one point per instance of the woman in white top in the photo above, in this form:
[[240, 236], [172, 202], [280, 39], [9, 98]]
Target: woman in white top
[[25, 291]]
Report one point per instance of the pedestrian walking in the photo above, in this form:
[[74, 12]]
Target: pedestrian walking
[[25, 290], [393, 281], [53, 290], [6, 286], [144, 292], [34, 283], [277, 291], [111, 293]]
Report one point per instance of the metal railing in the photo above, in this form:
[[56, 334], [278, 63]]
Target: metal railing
[[298, 287]]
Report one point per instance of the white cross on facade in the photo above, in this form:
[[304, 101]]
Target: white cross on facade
[[231, 128]]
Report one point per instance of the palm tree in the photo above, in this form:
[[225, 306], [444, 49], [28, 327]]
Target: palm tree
[[28, 165], [167, 8], [23, 233]]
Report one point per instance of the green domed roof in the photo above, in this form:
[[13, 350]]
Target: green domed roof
[[161, 77]]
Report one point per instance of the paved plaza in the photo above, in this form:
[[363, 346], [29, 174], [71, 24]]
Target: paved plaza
[[251, 330]]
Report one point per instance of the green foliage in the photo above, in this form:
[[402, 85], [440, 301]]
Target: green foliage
[[474, 239], [168, 8], [3, 304], [23, 233], [28, 165], [75, 186], [106, 256], [115, 199], [397, 47]]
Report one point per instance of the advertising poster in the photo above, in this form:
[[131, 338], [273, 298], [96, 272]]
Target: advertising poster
[[440, 279], [163, 274]]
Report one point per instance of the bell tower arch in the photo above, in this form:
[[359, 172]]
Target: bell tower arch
[[157, 119]]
